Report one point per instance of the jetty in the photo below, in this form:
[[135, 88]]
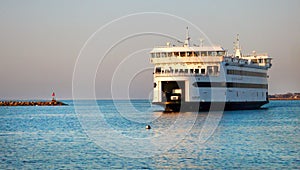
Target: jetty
[[52, 102], [32, 103]]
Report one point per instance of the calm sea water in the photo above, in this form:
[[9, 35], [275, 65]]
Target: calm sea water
[[57, 138]]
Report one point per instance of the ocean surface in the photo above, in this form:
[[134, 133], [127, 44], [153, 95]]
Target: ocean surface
[[112, 134]]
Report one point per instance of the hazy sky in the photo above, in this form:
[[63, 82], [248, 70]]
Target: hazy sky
[[40, 42]]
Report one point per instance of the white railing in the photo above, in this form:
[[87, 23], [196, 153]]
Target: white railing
[[186, 74], [206, 59]]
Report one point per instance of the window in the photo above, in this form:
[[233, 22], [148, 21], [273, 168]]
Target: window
[[182, 54], [209, 70], [169, 54], [153, 55], [196, 71], [215, 69], [158, 70], [246, 73], [221, 53], [181, 71], [196, 53], [163, 55], [176, 54], [203, 71], [203, 53], [158, 55], [191, 71], [189, 54], [186, 71], [176, 70]]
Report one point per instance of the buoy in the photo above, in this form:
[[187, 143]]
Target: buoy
[[148, 127]]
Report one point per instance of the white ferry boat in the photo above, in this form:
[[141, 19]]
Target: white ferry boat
[[198, 77]]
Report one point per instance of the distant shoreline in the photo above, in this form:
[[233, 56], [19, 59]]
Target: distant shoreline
[[286, 96], [284, 99]]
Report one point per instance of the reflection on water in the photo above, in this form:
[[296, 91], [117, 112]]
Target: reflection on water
[[53, 138]]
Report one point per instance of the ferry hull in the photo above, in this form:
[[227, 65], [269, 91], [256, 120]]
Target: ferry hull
[[206, 106]]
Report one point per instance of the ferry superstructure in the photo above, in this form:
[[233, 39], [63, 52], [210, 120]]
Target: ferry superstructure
[[206, 77]]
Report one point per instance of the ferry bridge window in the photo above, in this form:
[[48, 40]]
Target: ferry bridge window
[[158, 70], [220, 53], [203, 53], [169, 54], [163, 54], [182, 54], [203, 71], [209, 70], [157, 55], [181, 71], [186, 71], [191, 71], [176, 54], [152, 55], [176, 70], [211, 53], [196, 71], [196, 53], [189, 54]]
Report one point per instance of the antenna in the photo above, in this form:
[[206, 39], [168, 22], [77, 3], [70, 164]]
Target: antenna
[[201, 42], [187, 38], [237, 47], [238, 41]]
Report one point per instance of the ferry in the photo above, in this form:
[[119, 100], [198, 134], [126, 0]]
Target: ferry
[[201, 78]]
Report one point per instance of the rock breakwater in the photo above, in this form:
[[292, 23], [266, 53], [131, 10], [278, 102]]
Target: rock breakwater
[[32, 103]]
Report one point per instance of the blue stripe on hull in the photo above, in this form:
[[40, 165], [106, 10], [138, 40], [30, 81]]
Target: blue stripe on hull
[[205, 106]]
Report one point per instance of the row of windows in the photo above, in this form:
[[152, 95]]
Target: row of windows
[[188, 54], [230, 85], [211, 70], [246, 73], [192, 71]]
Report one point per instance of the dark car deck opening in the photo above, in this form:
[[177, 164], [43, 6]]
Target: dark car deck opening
[[173, 91]]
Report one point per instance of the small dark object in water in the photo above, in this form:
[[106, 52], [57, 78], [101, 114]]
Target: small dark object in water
[[148, 127]]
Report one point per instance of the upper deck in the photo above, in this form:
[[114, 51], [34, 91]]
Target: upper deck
[[171, 54]]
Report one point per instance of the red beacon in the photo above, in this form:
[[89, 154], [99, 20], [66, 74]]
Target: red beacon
[[53, 96]]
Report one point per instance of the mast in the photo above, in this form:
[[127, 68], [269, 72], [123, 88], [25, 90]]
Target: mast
[[237, 47], [187, 38]]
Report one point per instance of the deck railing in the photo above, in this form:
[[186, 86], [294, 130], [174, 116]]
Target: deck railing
[[173, 59]]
